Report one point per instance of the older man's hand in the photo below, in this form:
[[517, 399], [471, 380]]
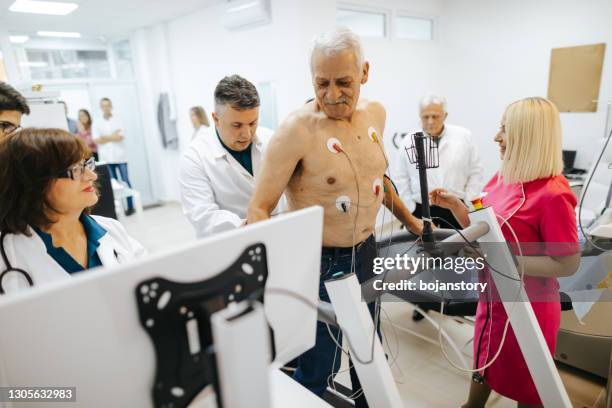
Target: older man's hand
[[415, 226], [442, 198]]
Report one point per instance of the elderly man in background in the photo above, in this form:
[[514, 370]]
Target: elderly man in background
[[460, 170]]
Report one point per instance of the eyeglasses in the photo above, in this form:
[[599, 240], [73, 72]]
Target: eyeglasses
[[77, 171], [8, 128]]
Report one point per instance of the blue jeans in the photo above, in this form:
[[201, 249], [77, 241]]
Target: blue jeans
[[119, 171], [315, 365]]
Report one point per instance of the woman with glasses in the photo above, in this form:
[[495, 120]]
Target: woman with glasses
[[47, 186]]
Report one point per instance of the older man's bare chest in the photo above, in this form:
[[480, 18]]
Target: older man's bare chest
[[344, 158]]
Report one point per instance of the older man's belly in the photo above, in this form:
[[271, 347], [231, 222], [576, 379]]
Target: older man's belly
[[338, 230], [343, 226]]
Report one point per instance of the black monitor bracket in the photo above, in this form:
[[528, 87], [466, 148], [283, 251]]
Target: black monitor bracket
[[177, 318]]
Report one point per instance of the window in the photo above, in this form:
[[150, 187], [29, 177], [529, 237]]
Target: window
[[414, 28], [363, 23], [267, 105], [66, 64]]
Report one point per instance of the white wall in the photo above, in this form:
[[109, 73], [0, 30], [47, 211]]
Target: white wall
[[487, 53], [150, 54], [200, 51], [495, 52], [401, 71], [189, 55]]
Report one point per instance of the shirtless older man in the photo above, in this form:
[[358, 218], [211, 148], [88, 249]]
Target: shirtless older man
[[330, 153]]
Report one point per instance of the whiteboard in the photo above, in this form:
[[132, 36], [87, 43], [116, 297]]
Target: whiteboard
[[86, 333], [45, 115]]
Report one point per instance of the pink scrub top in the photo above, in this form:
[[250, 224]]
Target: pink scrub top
[[86, 136], [546, 215]]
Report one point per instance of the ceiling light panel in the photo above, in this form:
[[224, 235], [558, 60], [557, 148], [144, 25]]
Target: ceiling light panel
[[53, 8]]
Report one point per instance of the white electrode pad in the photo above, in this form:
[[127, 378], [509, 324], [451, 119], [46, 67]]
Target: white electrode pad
[[346, 200], [377, 183], [373, 134], [330, 144]]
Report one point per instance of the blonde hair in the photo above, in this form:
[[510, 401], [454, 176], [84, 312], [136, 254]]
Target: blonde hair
[[201, 115], [533, 141]]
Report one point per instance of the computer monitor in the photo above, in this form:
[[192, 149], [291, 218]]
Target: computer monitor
[[569, 158], [87, 333], [106, 200]]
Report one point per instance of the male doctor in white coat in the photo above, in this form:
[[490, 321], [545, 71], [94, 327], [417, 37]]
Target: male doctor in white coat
[[217, 172]]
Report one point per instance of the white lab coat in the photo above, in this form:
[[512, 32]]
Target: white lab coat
[[30, 254], [460, 170], [215, 188], [111, 152]]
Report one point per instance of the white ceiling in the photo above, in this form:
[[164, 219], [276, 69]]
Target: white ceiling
[[101, 17]]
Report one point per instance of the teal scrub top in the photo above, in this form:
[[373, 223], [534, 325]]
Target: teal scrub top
[[94, 233]]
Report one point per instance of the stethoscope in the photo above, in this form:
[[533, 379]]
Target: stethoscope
[[9, 268]]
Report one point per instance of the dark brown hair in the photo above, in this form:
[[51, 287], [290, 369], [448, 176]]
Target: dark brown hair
[[86, 112], [11, 100], [236, 92], [29, 161]]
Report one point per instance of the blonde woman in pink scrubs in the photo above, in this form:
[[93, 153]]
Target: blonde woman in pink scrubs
[[531, 195]]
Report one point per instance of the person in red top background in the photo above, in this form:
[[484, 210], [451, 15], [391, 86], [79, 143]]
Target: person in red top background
[[530, 194], [84, 131]]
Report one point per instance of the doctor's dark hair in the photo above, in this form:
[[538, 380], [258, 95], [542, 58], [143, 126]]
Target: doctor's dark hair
[[236, 92], [11, 100], [30, 160]]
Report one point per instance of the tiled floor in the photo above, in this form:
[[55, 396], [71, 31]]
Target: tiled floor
[[160, 228], [423, 375]]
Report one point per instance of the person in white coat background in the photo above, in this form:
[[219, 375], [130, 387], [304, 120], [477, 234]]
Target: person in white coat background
[[460, 169], [218, 169], [47, 185]]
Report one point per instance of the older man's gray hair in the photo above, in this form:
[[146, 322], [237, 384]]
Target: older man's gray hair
[[432, 99], [335, 41]]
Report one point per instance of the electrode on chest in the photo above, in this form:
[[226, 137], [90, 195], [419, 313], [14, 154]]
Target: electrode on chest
[[343, 203], [377, 186], [334, 145], [373, 134]]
